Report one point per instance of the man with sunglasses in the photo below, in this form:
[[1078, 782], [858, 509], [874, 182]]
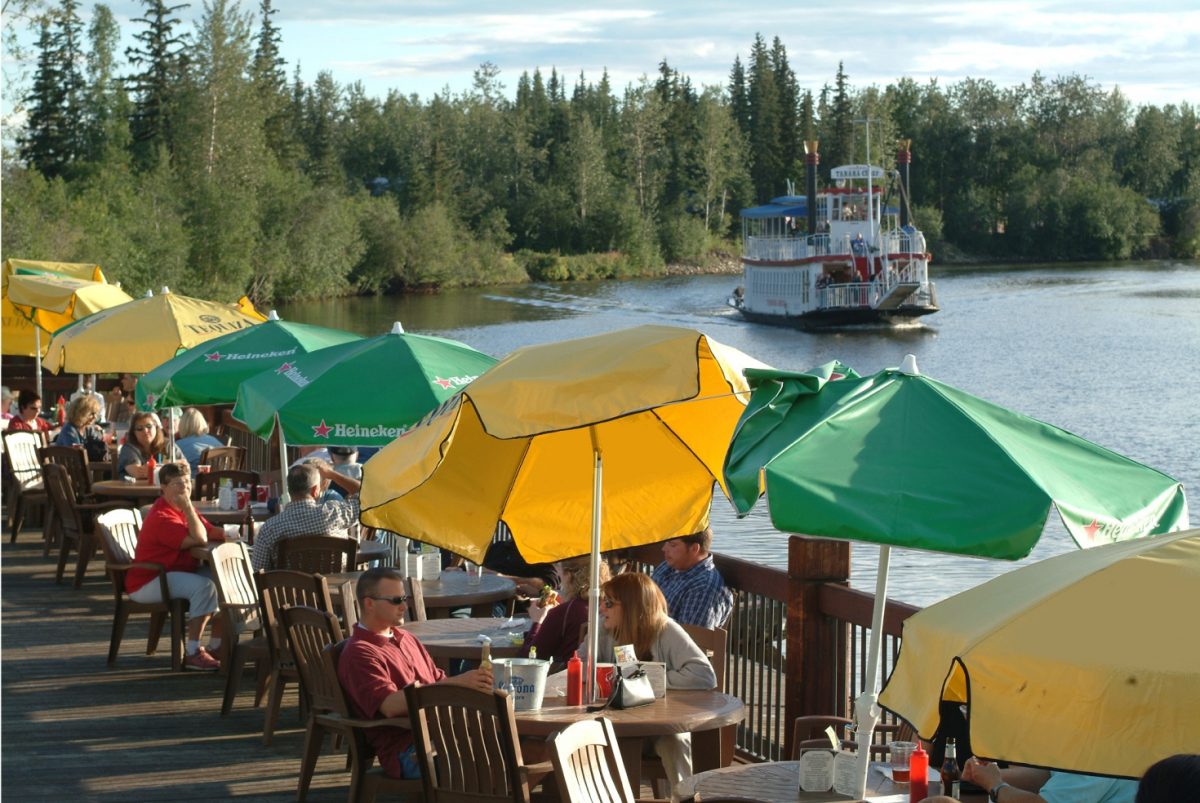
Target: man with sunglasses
[[380, 660]]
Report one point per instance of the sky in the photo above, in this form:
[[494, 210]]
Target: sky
[[1150, 49]]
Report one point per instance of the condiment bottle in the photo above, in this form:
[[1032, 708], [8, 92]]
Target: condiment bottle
[[951, 775], [224, 494], [151, 464], [62, 411], [533, 653], [918, 775], [575, 680]]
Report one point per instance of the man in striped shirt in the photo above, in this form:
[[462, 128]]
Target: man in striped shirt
[[695, 592], [305, 514]]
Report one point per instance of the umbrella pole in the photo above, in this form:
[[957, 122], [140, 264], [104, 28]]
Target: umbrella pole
[[37, 356], [283, 464], [866, 708], [593, 645]]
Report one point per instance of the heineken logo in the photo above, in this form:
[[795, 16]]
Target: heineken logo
[[215, 325], [217, 356], [293, 373], [454, 381], [349, 431]]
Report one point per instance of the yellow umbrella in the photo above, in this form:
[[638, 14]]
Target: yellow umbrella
[[584, 445], [1085, 662], [139, 335], [51, 301], [19, 334]]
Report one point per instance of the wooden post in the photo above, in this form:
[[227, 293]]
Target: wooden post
[[814, 672]]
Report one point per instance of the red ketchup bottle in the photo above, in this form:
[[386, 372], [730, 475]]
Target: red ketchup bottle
[[918, 775], [575, 680], [151, 463], [62, 411]]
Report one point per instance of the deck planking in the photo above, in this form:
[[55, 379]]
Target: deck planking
[[74, 729]]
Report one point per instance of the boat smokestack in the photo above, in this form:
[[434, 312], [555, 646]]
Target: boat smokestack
[[811, 160], [903, 160]]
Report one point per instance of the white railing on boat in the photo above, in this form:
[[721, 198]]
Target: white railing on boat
[[789, 249]]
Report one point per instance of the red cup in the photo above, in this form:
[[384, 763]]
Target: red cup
[[604, 679], [243, 498], [262, 493]]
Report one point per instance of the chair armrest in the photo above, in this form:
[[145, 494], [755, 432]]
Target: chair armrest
[[534, 773], [101, 505], [391, 722]]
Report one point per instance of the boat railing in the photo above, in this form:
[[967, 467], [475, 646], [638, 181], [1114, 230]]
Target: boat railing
[[898, 241], [775, 249], [797, 639], [853, 294]]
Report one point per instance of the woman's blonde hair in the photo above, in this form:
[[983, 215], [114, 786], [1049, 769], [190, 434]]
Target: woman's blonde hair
[[191, 423], [158, 444], [79, 410], [643, 611], [578, 573]]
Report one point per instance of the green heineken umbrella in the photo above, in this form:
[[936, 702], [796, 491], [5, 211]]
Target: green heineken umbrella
[[363, 393], [900, 459], [211, 372]]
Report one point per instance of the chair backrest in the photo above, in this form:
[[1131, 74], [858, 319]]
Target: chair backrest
[[208, 485], [62, 498], [118, 530], [467, 744], [75, 461], [21, 448], [224, 458], [323, 554], [234, 578], [588, 765], [412, 589], [713, 642], [279, 589], [312, 633]]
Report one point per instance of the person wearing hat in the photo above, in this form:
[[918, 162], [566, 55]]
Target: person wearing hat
[[345, 462]]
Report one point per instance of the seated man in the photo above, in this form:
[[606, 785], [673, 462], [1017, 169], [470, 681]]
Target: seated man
[[168, 534], [1029, 785], [380, 660], [305, 515], [695, 592]]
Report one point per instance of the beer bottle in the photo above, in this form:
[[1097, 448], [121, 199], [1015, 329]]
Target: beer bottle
[[951, 775], [485, 659]]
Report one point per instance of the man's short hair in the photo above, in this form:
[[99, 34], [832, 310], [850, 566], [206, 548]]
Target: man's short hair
[[369, 582], [703, 538], [171, 472], [302, 478]]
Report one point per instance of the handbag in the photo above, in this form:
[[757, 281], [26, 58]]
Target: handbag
[[631, 688]]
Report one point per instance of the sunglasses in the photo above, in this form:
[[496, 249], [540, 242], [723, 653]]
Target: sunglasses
[[609, 603], [400, 600]]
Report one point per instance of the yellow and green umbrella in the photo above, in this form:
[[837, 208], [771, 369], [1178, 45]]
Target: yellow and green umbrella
[[1085, 662], [20, 336], [140, 335], [900, 459], [579, 446]]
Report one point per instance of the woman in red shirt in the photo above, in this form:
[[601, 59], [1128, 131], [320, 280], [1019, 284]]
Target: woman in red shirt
[[28, 419]]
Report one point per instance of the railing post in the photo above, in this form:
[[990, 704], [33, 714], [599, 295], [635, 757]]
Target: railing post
[[814, 671]]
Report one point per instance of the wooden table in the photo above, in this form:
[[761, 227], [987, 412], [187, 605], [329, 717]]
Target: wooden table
[[779, 782], [451, 591], [373, 550], [138, 491], [451, 639], [701, 713]]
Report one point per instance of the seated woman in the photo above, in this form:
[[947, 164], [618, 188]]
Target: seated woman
[[145, 440], [194, 439], [557, 628], [28, 417], [634, 611], [80, 428]]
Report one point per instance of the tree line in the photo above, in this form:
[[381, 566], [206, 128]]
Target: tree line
[[194, 160]]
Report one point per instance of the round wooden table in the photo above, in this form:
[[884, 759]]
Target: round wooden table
[[138, 491], [701, 713], [779, 782], [373, 550], [450, 591], [451, 639]]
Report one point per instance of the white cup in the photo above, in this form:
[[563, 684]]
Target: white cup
[[474, 573]]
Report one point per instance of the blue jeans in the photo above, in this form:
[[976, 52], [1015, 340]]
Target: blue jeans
[[409, 768]]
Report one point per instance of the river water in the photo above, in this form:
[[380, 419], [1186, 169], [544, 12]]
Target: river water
[[1109, 352]]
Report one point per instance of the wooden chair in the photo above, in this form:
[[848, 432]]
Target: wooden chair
[[26, 488], [118, 530], [73, 521], [206, 486], [468, 747], [242, 615], [224, 458], [317, 554], [415, 607], [317, 640], [588, 765], [75, 461], [277, 590]]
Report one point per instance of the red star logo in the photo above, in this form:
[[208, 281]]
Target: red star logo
[[835, 376], [445, 383], [323, 430], [214, 357], [1091, 529], [283, 369]]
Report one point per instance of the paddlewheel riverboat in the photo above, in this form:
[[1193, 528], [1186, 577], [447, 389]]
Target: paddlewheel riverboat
[[858, 260]]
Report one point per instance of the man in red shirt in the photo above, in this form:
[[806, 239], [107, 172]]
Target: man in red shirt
[[380, 660], [167, 536]]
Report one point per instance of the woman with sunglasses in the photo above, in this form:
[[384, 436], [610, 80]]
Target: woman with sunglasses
[[634, 611], [28, 417], [145, 440]]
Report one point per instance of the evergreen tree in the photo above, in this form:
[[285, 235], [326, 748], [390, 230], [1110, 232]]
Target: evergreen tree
[[739, 100], [45, 145], [766, 167], [270, 84], [791, 151], [106, 108], [161, 59], [837, 129]]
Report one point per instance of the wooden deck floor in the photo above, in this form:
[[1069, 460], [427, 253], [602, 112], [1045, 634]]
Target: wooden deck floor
[[75, 730]]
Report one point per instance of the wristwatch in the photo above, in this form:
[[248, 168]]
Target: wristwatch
[[994, 792]]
